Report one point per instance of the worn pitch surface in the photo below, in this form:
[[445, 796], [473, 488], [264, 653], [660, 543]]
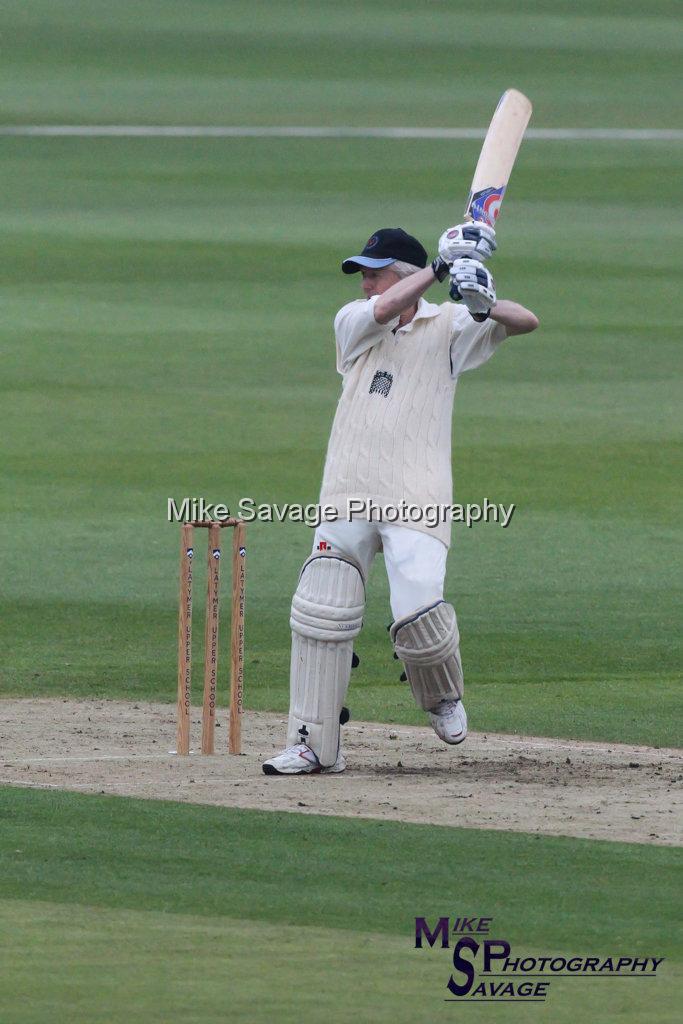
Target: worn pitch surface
[[517, 783]]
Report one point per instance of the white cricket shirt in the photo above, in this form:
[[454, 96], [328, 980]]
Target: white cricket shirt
[[391, 436]]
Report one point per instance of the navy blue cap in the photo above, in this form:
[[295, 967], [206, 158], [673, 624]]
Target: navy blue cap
[[385, 247]]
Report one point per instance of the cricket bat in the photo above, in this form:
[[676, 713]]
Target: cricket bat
[[497, 157]]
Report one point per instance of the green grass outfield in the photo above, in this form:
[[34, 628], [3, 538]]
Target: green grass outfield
[[318, 61], [126, 910]]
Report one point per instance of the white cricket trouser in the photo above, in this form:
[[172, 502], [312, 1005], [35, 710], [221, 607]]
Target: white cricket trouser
[[415, 562]]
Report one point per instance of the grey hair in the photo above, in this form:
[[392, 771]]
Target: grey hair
[[403, 269]]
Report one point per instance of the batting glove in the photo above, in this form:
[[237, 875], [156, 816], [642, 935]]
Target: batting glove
[[474, 240], [472, 284]]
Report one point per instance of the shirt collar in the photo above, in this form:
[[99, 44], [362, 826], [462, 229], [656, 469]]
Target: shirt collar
[[425, 310]]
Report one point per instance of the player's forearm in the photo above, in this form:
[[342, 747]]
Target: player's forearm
[[514, 318], [403, 295]]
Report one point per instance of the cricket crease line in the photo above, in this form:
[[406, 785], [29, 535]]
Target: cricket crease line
[[331, 132], [18, 762]]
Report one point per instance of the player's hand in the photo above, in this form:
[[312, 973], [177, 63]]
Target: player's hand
[[474, 240], [472, 284]]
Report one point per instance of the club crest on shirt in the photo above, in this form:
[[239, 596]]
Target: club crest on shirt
[[381, 383]]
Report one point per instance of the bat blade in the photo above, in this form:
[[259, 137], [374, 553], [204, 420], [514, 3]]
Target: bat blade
[[497, 157]]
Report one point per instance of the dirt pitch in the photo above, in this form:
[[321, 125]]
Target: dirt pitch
[[403, 773]]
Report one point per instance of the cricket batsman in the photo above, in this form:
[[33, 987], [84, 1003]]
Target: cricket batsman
[[400, 358]]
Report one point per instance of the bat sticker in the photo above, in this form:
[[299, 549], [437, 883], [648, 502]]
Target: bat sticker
[[485, 205]]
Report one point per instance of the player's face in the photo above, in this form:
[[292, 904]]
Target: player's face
[[377, 281]]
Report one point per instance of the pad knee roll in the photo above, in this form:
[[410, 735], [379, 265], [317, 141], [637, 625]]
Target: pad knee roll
[[428, 644], [327, 615]]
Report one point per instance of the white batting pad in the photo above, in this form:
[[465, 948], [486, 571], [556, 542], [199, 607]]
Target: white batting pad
[[327, 615], [428, 645]]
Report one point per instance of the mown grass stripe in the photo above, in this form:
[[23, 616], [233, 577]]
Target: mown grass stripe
[[332, 132], [350, 873]]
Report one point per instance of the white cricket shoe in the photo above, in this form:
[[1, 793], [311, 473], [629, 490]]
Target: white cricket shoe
[[449, 721], [300, 760]]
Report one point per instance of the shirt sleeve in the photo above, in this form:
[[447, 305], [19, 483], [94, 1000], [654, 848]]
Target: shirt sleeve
[[473, 343], [356, 330]]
